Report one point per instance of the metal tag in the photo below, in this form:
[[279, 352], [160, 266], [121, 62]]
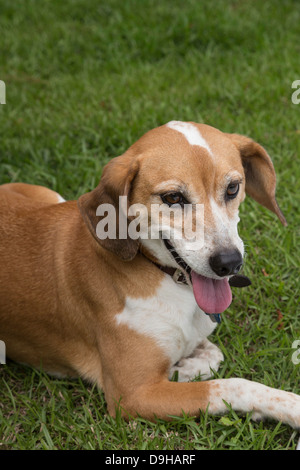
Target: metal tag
[[179, 277]]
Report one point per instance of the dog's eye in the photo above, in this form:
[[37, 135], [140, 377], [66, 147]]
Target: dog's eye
[[232, 190], [173, 198]]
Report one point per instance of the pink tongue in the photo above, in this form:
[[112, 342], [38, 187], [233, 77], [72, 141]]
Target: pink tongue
[[212, 296]]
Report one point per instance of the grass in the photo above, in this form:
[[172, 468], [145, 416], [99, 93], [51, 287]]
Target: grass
[[83, 81], [43, 413]]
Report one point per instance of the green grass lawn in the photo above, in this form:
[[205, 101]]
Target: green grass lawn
[[84, 80]]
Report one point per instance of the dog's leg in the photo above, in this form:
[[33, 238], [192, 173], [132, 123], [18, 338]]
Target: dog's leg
[[138, 383], [206, 356], [264, 402], [162, 400]]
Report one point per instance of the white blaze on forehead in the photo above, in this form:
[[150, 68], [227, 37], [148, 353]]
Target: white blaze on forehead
[[190, 132]]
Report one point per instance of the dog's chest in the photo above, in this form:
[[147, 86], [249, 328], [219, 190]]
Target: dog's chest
[[171, 318]]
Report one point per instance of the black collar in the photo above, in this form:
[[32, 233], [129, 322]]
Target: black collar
[[180, 277]]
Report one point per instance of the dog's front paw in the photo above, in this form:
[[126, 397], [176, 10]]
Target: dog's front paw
[[206, 357]]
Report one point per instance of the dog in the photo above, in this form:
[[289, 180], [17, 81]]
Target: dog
[[127, 313]]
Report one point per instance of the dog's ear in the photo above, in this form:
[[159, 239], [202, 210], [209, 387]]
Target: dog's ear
[[117, 179], [259, 172]]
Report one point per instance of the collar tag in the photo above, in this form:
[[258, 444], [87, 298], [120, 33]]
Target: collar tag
[[179, 277], [215, 317], [239, 280], [182, 277]]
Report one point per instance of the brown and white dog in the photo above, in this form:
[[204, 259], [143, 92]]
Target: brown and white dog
[[110, 310]]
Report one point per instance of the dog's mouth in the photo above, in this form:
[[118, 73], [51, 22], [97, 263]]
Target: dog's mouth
[[213, 296]]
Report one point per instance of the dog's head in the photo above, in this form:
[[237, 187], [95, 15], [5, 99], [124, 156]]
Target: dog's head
[[174, 167]]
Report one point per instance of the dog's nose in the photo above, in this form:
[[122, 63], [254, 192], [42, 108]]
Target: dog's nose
[[226, 262]]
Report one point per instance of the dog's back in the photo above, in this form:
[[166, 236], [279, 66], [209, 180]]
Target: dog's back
[[28, 289]]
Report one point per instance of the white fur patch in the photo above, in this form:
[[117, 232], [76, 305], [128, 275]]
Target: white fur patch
[[262, 401], [225, 232], [60, 199], [172, 318], [190, 132], [206, 357]]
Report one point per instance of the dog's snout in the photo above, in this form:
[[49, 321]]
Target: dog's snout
[[226, 262]]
